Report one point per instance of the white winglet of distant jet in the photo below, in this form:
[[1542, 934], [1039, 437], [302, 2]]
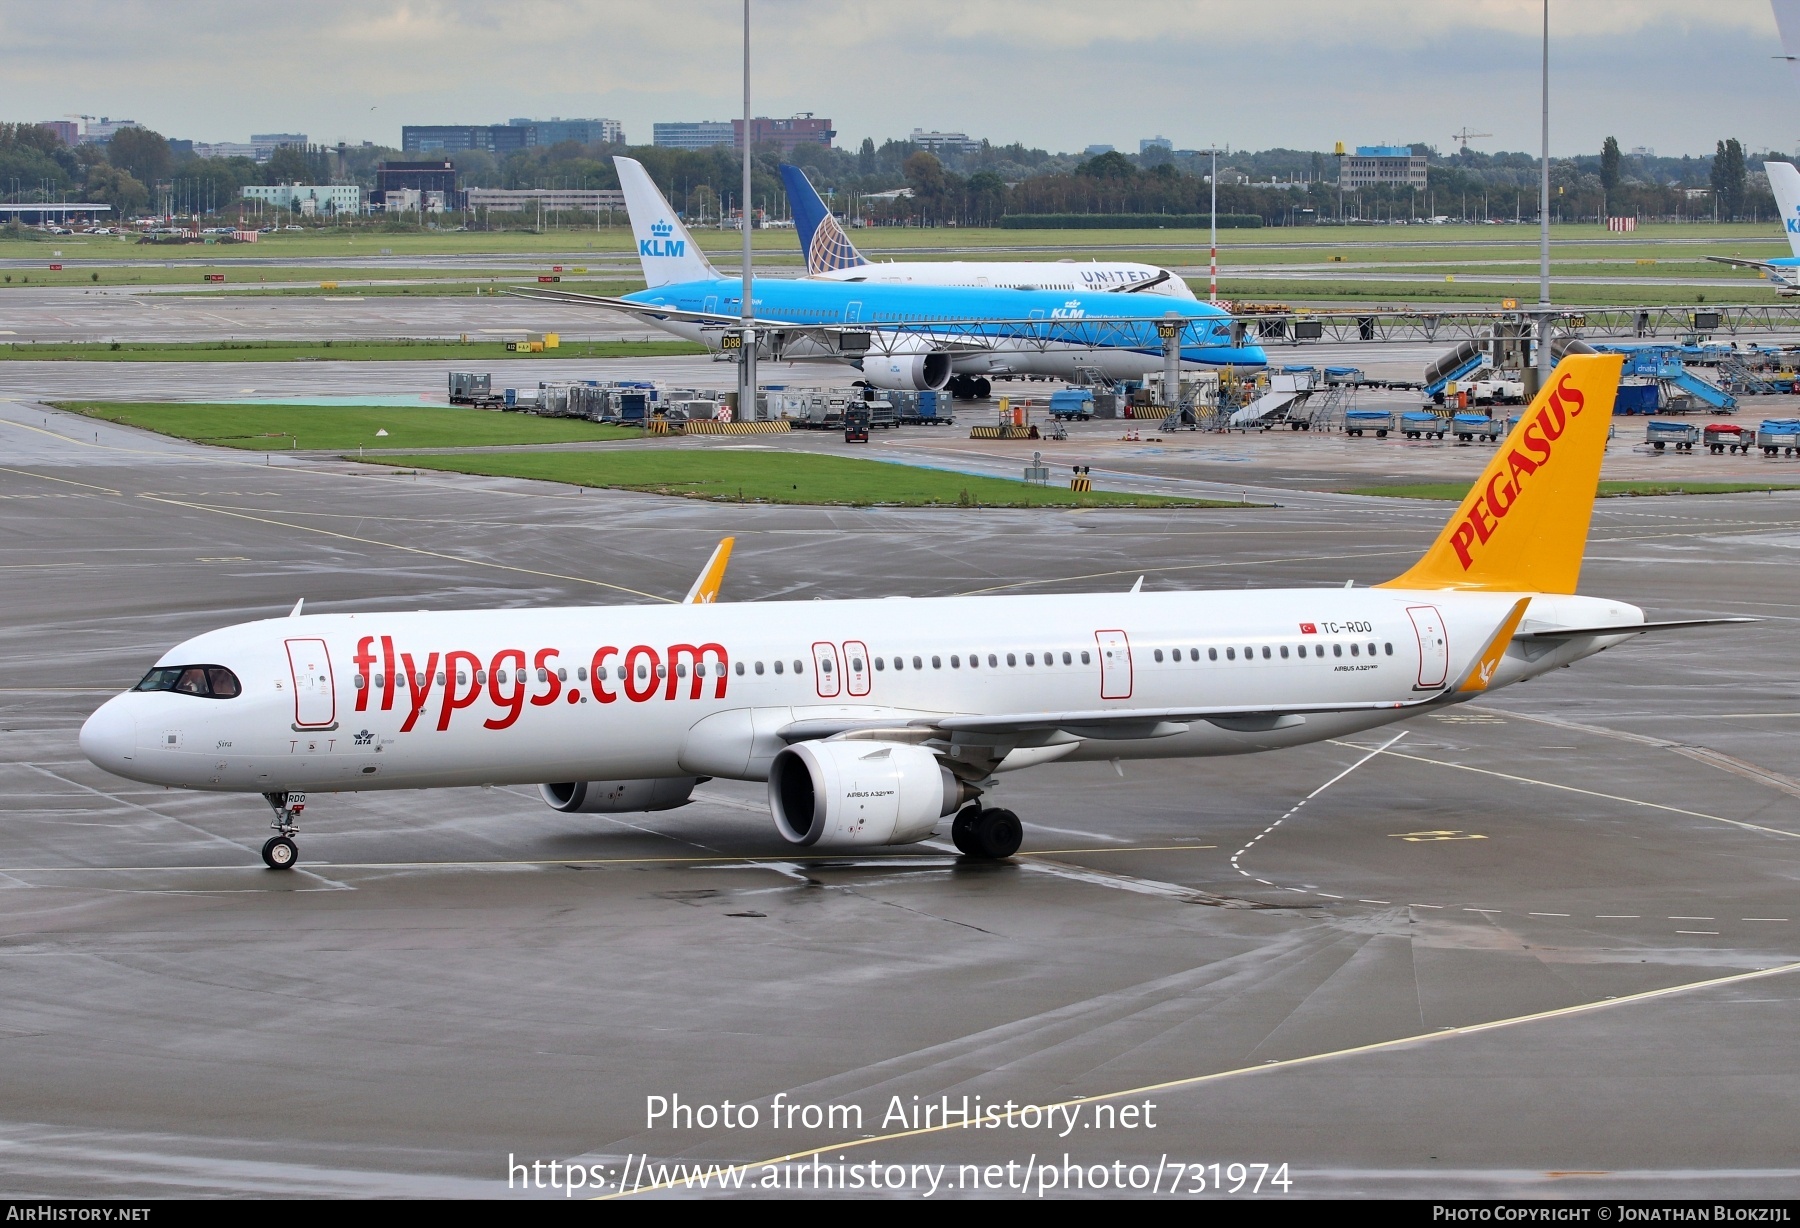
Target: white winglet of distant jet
[[873, 721], [1783, 271]]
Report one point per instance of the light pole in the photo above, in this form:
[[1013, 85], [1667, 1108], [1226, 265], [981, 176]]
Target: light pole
[[1212, 281], [1544, 362], [747, 313]]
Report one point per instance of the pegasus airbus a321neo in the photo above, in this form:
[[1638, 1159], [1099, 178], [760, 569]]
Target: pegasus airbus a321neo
[[873, 721]]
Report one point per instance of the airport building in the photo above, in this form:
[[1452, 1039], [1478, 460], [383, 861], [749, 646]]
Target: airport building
[[941, 143], [454, 138], [323, 199], [1156, 142], [1375, 165], [703, 134], [403, 186], [102, 129], [508, 200], [785, 133], [67, 130], [556, 130]]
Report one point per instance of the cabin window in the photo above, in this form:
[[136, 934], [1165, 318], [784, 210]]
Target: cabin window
[[1390, 650], [992, 662], [1231, 654], [481, 677], [643, 672], [740, 669], [801, 669], [440, 678], [581, 672], [562, 675], [1084, 657], [918, 664], [1011, 660], [357, 682], [1266, 653], [955, 661], [824, 665], [500, 677], [619, 672], [879, 663], [1193, 654], [543, 675], [461, 678], [1337, 650], [1284, 652], [1159, 656], [1355, 651], [380, 680], [1371, 650], [1030, 660], [1212, 654], [856, 664], [680, 671]]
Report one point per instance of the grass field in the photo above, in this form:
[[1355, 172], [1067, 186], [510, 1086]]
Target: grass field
[[337, 427], [1453, 492], [777, 477], [423, 289], [330, 351]]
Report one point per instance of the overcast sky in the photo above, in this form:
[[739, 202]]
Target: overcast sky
[[1676, 75]]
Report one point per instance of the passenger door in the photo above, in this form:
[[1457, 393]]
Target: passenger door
[[315, 700], [825, 671], [856, 668], [1434, 645], [1115, 664], [852, 313]]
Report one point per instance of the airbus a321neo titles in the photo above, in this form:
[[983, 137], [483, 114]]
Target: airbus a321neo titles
[[874, 721]]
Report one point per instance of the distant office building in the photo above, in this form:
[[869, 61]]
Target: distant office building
[[702, 135], [1643, 151], [266, 143], [103, 128], [425, 181], [1156, 142], [454, 138], [323, 199], [941, 143], [1094, 151], [67, 130], [785, 133], [1373, 165], [556, 130], [523, 200], [224, 149]]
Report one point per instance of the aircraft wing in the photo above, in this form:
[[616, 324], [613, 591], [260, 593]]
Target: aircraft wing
[[1137, 286], [1764, 265]]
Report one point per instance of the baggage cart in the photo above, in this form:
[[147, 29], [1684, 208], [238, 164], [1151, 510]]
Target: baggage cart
[[1378, 421], [1722, 437], [1678, 435], [1779, 436], [1421, 424]]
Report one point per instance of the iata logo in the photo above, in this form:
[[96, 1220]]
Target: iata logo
[[1070, 310], [660, 244], [1539, 437]]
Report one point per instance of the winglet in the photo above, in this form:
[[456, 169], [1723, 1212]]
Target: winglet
[[295, 612], [706, 584], [1482, 672]]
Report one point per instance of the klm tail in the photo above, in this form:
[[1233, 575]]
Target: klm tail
[[821, 238], [1784, 181], [1523, 526], [665, 248]]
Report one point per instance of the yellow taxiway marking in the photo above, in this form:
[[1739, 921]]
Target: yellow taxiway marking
[[1611, 797], [435, 554], [1473, 1029]]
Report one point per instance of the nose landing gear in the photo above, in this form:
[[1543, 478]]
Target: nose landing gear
[[279, 852], [986, 833]]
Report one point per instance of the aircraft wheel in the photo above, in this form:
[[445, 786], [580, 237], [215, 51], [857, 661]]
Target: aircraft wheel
[[998, 834], [962, 830], [280, 853]]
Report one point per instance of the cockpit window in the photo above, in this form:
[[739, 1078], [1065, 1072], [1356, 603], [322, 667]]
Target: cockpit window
[[211, 681]]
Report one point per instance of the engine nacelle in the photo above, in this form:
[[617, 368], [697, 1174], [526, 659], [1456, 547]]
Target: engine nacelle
[[915, 372], [619, 796], [854, 793]]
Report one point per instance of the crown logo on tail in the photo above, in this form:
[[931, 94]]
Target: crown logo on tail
[[661, 230]]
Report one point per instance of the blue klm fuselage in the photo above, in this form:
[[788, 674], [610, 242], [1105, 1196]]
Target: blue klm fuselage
[[1021, 324]]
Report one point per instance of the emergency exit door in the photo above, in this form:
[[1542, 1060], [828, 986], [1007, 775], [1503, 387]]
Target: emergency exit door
[[1434, 645], [315, 700], [1115, 664]]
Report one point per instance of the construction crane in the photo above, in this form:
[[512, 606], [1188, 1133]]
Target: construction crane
[[1465, 136]]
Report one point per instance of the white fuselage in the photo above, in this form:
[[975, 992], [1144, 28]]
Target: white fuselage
[[1015, 275], [422, 699]]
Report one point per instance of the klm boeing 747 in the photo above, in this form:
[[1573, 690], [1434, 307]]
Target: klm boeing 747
[[908, 336]]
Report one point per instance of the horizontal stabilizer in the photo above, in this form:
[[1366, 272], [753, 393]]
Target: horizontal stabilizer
[[1678, 624]]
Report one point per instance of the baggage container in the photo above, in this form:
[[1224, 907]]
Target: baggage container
[[1779, 436], [1722, 437], [1469, 427], [1072, 405], [1358, 421], [1421, 424], [1679, 435]]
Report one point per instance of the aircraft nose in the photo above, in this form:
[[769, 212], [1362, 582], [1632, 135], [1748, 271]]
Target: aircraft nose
[[109, 737]]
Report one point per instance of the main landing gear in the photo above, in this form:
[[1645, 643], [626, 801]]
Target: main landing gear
[[280, 852], [986, 833]]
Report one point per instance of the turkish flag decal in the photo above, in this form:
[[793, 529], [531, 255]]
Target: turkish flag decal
[[1308, 629]]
